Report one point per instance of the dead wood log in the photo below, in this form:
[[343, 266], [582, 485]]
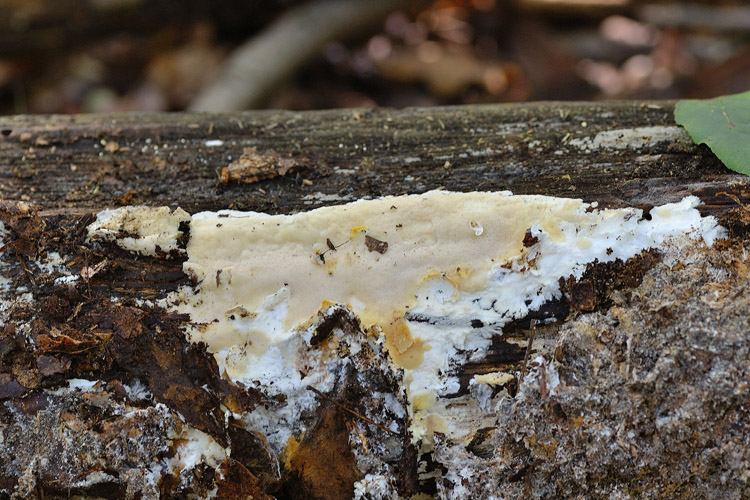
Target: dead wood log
[[619, 154], [94, 369]]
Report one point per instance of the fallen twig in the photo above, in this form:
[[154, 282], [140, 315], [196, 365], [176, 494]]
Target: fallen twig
[[262, 63]]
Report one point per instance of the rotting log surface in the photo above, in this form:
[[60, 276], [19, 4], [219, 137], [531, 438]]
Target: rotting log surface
[[90, 162], [67, 168]]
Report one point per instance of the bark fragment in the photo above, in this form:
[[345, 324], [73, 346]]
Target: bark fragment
[[253, 167]]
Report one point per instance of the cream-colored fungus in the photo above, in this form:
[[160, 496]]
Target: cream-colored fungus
[[143, 230], [438, 274], [322, 256]]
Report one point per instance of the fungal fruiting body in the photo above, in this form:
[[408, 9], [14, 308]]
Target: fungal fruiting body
[[432, 277]]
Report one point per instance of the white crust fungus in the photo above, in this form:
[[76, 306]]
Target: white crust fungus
[[143, 230], [435, 274]]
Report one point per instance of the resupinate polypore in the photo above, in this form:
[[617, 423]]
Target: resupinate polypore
[[431, 276]]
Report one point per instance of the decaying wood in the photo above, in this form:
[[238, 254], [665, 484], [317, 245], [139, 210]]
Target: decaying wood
[[90, 162], [618, 320]]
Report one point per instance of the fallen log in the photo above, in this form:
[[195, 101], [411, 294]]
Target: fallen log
[[631, 380]]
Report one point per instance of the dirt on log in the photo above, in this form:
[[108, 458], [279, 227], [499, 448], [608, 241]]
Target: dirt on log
[[102, 395]]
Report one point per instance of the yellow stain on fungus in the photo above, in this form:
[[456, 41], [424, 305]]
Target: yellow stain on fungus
[[270, 253], [406, 351]]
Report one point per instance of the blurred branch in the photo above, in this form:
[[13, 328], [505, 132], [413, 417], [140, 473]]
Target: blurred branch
[[721, 18], [262, 63]]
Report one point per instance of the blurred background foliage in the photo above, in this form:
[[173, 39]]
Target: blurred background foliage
[[71, 56]]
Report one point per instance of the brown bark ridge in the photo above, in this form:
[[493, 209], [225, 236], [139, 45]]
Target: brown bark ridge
[[102, 395]]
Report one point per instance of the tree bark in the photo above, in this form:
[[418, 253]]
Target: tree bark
[[91, 162]]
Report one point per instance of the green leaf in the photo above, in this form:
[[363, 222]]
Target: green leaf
[[723, 124]]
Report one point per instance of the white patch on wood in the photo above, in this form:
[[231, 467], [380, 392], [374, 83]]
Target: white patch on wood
[[143, 230], [436, 292], [632, 138]]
